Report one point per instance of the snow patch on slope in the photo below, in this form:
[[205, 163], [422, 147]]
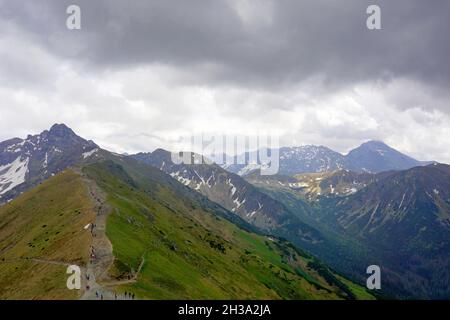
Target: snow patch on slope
[[13, 174], [180, 178], [89, 153]]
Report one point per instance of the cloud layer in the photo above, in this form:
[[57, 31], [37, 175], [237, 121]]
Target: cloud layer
[[138, 76]]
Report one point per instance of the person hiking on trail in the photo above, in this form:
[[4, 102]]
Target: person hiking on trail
[[96, 294]]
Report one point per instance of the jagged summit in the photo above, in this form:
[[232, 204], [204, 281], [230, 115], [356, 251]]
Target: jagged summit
[[61, 130], [26, 162]]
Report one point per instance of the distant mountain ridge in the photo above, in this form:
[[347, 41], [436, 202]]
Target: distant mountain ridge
[[402, 217], [371, 156], [405, 217], [232, 192], [402, 196], [227, 189]]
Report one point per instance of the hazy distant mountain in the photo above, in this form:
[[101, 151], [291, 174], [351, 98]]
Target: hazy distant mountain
[[376, 156], [372, 156], [298, 159], [26, 162]]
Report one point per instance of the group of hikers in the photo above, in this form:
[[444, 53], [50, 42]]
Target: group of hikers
[[125, 296], [93, 255], [93, 226], [99, 294], [88, 277]]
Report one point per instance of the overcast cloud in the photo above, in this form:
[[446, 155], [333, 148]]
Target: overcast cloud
[[141, 73]]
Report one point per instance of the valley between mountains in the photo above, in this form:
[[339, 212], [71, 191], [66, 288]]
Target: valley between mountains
[[162, 230]]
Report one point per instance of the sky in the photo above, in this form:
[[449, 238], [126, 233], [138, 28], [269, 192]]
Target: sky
[[141, 74]]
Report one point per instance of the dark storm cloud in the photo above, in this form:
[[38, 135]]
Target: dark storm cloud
[[270, 44], [141, 73]]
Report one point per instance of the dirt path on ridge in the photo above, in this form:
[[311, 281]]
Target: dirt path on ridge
[[100, 284]]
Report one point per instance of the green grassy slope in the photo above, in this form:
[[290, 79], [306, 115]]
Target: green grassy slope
[[183, 245], [189, 252], [45, 223], [353, 255]]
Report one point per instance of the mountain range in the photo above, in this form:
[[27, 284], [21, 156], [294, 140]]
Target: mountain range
[[183, 230], [134, 228], [330, 205], [371, 156], [232, 192], [400, 219]]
